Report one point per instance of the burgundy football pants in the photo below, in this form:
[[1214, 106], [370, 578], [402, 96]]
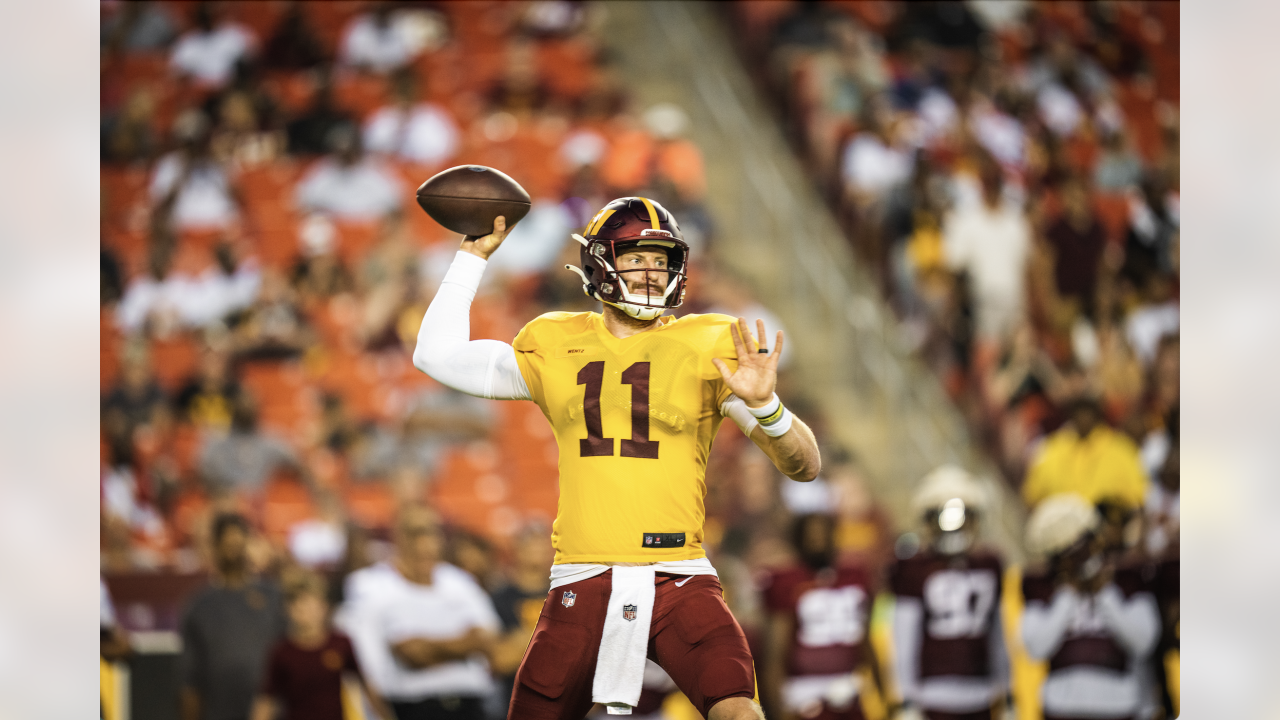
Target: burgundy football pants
[[693, 637]]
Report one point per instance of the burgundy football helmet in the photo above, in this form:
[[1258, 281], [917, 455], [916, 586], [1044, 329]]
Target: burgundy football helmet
[[621, 226]]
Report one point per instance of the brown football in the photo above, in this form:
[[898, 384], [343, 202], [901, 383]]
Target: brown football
[[466, 199]]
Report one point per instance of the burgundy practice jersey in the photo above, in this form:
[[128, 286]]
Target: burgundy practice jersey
[[1095, 644], [959, 597], [949, 652], [831, 609], [1087, 641]]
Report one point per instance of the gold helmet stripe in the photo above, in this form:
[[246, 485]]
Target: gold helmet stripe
[[594, 226], [653, 213]]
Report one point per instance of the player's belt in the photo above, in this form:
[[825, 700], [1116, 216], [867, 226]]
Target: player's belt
[[663, 540]]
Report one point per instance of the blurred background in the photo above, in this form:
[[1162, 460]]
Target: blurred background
[[964, 215]]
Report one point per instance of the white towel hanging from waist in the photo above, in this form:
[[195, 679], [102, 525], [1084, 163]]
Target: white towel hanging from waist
[[625, 641]]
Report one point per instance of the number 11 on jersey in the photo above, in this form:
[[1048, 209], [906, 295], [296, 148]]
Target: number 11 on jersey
[[595, 444]]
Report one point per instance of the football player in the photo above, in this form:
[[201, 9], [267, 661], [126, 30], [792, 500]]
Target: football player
[[950, 658], [817, 640], [1096, 625], [634, 397]]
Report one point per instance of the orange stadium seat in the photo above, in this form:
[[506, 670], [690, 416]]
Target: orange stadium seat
[[1112, 211], [355, 240], [370, 503], [280, 387], [174, 360], [359, 93], [285, 503], [354, 377]]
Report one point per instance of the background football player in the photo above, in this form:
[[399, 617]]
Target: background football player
[[950, 658], [634, 398], [1096, 625], [819, 613]]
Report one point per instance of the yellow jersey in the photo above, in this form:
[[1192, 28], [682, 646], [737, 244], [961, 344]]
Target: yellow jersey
[[634, 419]]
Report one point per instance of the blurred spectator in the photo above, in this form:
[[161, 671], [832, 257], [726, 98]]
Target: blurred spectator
[[539, 238], [227, 630], [1163, 502], [127, 133], [190, 182], [518, 603], [520, 91], [411, 128], [474, 554], [114, 645], [110, 278], [138, 27], [310, 133], [873, 164], [421, 627], [209, 51], [817, 641], [228, 287], [677, 162], [273, 327], [294, 45], [1089, 458], [1156, 318], [307, 667], [1118, 167], [247, 132], [208, 399], [725, 292], [435, 419], [990, 240], [245, 458], [153, 298], [136, 400], [320, 542], [1077, 241], [553, 18], [349, 185], [378, 40], [1152, 236], [949, 652], [320, 273], [1094, 624]]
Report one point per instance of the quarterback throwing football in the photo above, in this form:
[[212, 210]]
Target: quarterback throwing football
[[634, 398]]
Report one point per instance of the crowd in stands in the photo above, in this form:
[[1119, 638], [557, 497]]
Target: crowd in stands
[[265, 270]]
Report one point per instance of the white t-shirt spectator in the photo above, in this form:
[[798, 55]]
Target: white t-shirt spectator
[[216, 294], [145, 296], [210, 57], [1000, 134], [1059, 109], [381, 49], [424, 133], [870, 166], [537, 239], [363, 191], [383, 608], [1147, 324], [992, 245], [204, 199]]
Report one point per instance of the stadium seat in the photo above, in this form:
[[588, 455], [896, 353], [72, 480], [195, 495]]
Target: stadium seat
[[174, 359]]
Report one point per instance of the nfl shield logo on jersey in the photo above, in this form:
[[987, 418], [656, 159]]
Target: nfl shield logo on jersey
[[568, 598], [628, 612]]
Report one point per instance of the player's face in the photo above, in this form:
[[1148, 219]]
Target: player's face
[[644, 272]]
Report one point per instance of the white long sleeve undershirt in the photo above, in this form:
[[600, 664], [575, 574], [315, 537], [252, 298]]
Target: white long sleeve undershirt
[[446, 352], [488, 368]]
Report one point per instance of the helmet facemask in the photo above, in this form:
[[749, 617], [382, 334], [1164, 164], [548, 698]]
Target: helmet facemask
[[603, 280]]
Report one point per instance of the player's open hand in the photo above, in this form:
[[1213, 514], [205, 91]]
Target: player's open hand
[[485, 245], [757, 372]]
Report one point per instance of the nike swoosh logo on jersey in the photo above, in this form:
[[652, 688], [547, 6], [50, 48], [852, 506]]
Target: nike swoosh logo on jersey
[[680, 583]]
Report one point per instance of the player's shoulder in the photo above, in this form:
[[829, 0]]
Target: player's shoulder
[[549, 327], [986, 558], [702, 329]]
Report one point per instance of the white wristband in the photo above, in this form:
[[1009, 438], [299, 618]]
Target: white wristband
[[768, 409], [775, 419]]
